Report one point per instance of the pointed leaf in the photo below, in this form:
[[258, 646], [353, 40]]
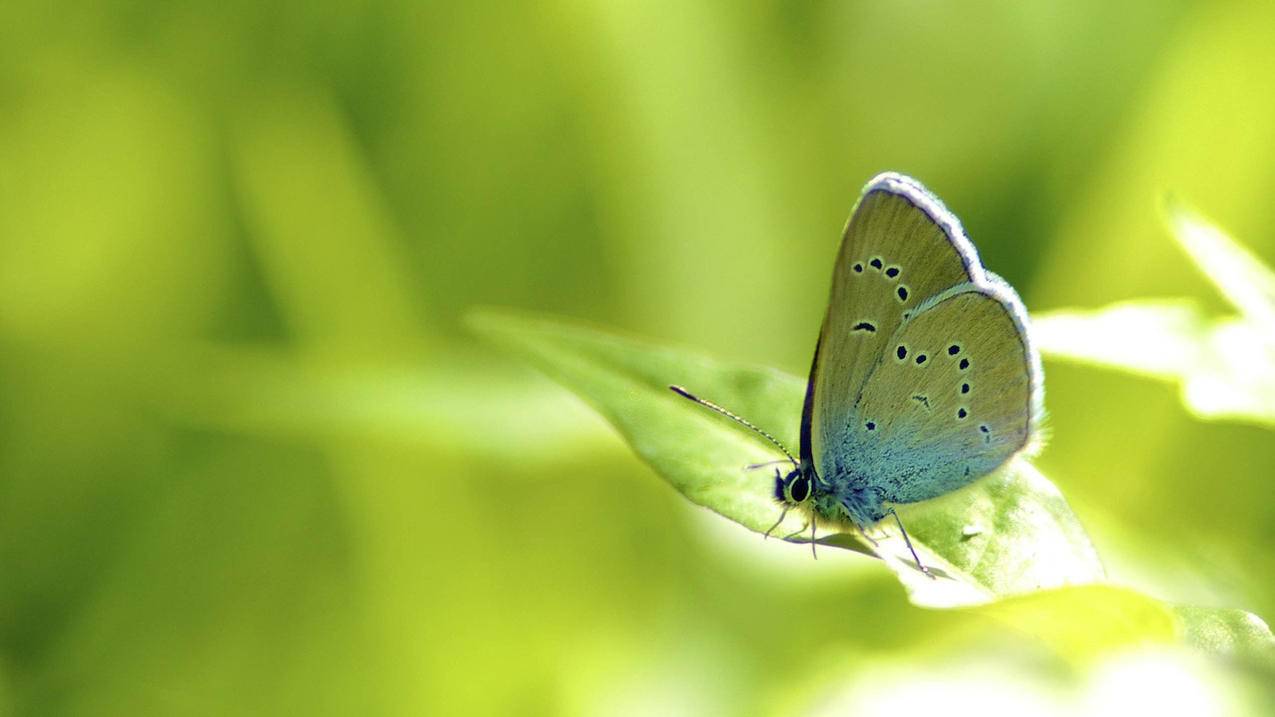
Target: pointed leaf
[[1007, 534]]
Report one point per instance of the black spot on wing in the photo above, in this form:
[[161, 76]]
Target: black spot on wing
[[864, 326]]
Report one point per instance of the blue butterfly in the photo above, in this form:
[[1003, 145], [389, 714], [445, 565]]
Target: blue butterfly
[[924, 377]]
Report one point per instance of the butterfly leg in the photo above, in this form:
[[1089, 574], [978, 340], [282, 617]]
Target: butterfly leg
[[867, 537], [776, 525], [908, 541], [798, 531], [813, 524]]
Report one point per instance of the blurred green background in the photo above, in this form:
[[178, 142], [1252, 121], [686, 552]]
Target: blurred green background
[[252, 462]]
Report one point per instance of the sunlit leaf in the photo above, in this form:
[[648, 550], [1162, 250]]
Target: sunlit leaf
[[1224, 366], [1010, 533], [1154, 338]]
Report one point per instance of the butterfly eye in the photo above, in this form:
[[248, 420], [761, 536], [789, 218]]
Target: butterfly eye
[[799, 490]]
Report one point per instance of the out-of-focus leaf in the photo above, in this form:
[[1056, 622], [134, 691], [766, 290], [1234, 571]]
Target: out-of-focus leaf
[[1010, 533], [1085, 621], [1236, 633], [1224, 366], [1238, 275], [1149, 678], [1155, 338]]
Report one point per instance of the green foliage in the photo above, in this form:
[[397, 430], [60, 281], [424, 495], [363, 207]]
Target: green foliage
[[1005, 547]]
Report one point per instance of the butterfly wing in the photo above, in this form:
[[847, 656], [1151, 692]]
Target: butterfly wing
[[957, 394], [900, 247]]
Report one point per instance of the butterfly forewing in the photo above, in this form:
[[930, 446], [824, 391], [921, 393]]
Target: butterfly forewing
[[900, 247], [954, 399]]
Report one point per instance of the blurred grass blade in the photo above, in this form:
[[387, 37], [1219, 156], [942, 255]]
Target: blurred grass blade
[[1008, 534], [1238, 275], [307, 191]]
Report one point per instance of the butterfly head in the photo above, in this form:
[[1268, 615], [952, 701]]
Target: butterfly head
[[793, 489]]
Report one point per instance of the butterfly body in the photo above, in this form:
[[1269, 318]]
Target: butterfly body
[[842, 499], [847, 499], [924, 378]]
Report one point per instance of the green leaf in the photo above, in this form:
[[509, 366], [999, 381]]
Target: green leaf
[[1086, 621], [1006, 548], [1008, 534]]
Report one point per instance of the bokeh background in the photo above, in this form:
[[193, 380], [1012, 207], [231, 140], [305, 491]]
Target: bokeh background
[[252, 462]]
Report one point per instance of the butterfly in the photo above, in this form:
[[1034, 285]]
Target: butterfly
[[924, 377]]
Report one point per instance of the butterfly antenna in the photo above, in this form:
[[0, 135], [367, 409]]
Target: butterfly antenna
[[741, 421]]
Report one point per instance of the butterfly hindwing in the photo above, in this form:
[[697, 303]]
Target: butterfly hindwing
[[900, 247], [957, 394]]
